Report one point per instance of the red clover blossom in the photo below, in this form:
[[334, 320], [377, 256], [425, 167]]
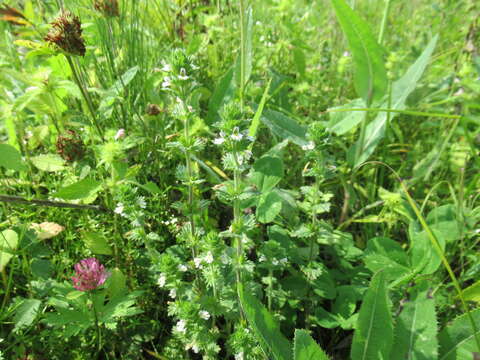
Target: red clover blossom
[[90, 274]]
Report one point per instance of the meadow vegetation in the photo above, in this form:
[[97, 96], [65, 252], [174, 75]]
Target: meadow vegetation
[[239, 179]]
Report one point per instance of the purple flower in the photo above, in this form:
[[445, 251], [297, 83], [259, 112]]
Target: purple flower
[[90, 274]]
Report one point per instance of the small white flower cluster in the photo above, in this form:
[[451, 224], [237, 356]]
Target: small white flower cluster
[[309, 146], [236, 135], [120, 134], [141, 202], [205, 315], [275, 261], [172, 221], [167, 80], [162, 279], [208, 259], [239, 356], [181, 326], [119, 209]]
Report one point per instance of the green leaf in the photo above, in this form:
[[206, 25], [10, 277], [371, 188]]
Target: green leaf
[[268, 172], [8, 245], [373, 335], [48, 162], [305, 348], [383, 253], [252, 131], [265, 328], [97, 243], [112, 94], [370, 74], [416, 328], [11, 158], [457, 340], [26, 313], [224, 91], [80, 190], [117, 283], [269, 206], [284, 127], [472, 293], [342, 122], [401, 89]]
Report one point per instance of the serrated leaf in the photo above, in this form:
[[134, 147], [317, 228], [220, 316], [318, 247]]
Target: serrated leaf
[[8, 245], [97, 243], [10, 158], [83, 189], [26, 313], [284, 127], [373, 335], [48, 162], [416, 328], [370, 74], [265, 328], [268, 207], [305, 348], [457, 340]]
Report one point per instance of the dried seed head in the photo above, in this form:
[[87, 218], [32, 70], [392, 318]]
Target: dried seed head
[[70, 146], [107, 7], [153, 109], [66, 34]]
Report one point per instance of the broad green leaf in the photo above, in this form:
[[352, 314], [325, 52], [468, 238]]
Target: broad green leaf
[[48, 162], [457, 339], [444, 220], [10, 158], [305, 348], [8, 245], [401, 89], [265, 328], [269, 206], [117, 283], [114, 92], [416, 328], [268, 172], [472, 293], [342, 122], [383, 253], [373, 335], [248, 22], [424, 257], [299, 59], [222, 94], [284, 127], [370, 74], [26, 313], [80, 190], [41, 268], [97, 243]]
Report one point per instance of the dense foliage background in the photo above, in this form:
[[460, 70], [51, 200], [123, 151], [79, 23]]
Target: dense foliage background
[[228, 164]]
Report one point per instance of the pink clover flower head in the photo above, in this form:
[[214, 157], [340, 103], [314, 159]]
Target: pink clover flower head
[[90, 274]]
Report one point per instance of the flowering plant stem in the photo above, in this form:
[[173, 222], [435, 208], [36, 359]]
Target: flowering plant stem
[[97, 326], [85, 95]]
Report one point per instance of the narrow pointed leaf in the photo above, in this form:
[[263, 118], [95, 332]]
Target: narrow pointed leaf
[[373, 335], [370, 74]]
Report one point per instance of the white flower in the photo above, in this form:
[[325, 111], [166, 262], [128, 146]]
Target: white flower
[[182, 268], [162, 279], [120, 134], [236, 136], [166, 83], [219, 141], [183, 74], [262, 258], [172, 293], [275, 261], [205, 315], [284, 261], [194, 67], [136, 223], [119, 209], [309, 146], [141, 202], [166, 67], [239, 356], [198, 262], [195, 348], [181, 326], [208, 258]]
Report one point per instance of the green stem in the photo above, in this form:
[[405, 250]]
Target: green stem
[[242, 53], [97, 326], [85, 95], [384, 22]]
